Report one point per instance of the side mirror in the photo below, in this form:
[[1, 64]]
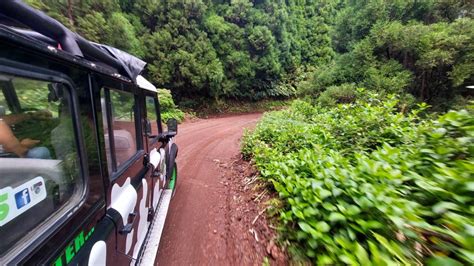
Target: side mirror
[[172, 125]]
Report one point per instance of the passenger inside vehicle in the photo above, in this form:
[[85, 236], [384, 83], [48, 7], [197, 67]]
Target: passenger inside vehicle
[[38, 154], [10, 144]]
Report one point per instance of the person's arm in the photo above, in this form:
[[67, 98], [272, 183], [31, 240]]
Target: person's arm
[[10, 142], [15, 118], [12, 119]]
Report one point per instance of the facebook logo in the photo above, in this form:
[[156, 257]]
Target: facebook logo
[[22, 198]]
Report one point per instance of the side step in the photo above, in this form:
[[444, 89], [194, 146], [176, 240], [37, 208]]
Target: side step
[[156, 228]]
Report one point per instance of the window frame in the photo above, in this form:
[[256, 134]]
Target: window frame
[[45, 229], [117, 171], [156, 104]]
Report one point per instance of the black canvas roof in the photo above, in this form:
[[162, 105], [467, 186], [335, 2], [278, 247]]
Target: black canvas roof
[[52, 32]]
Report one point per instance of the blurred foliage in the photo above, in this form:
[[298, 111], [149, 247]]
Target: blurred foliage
[[333, 95], [365, 184], [205, 109], [167, 107]]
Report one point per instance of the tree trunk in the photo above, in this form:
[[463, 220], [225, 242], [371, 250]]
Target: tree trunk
[[423, 86], [405, 59], [69, 12]]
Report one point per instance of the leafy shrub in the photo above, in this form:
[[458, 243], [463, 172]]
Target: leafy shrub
[[348, 128], [167, 106], [318, 80], [345, 93], [363, 183], [338, 72], [388, 77]]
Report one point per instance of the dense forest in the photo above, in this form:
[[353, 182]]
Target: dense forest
[[214, 49], [250, 50]]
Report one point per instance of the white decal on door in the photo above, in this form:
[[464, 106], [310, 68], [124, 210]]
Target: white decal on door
[[15, 201], [129, 241], [143, 222], [124, 199], [154, 158], [98, 255]]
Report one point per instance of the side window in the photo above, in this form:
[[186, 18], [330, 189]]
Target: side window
[[120, 124], [39, 163], [151, 114]]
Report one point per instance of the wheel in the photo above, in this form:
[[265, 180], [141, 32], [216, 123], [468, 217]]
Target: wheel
[[173, 179]]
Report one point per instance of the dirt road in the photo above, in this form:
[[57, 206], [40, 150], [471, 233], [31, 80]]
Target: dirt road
[[198, 223]]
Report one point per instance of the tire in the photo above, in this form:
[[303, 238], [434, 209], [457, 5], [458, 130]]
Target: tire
[[173, 179]]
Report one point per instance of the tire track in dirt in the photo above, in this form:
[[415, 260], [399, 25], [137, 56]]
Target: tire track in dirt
[[197, 225]]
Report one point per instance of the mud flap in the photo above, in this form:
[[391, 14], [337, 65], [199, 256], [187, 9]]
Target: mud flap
[[171, 160]]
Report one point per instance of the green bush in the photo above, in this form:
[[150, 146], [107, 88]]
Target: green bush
[[388, 77], [345, 93], [167, 107], [363, 183]]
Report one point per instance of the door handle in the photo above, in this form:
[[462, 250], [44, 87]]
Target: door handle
[[128, 227]]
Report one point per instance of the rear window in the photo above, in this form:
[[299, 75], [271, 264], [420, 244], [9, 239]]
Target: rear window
[[39, 163]]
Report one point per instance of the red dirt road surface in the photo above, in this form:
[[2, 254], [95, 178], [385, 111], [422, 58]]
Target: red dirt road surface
[[203, 222]]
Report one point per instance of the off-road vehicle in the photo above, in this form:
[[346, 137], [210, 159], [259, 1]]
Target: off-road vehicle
[[86, 170]]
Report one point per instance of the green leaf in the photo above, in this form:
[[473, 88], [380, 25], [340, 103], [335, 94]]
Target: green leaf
[[470, 186], [310, 253], [323, 193], [309, 211], [305, 227], [443, 261], [362, 255], [322, 227], [353, 210], [443, 206], [376, 257], [325, 260], [390, 248], [298, 213], [335, 217]]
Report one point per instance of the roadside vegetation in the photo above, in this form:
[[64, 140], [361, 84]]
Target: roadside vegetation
[[168, 108], [368, 182], [381, 175], [205, 109]]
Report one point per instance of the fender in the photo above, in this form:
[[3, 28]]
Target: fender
[[171, 159]]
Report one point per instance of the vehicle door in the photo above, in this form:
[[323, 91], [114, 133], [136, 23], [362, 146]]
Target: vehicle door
[[161, 147], [51, 191], [155, 147], [128, 199]]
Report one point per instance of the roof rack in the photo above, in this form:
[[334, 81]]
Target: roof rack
[[49, 30]]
